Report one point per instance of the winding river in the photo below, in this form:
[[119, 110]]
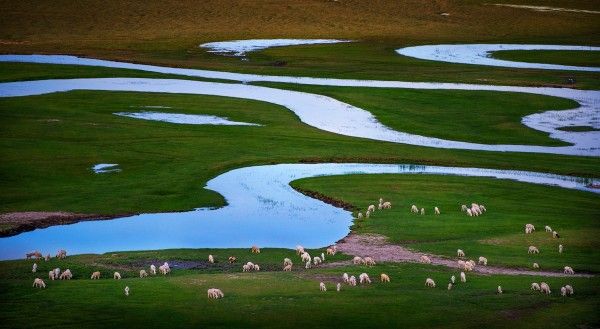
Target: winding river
[[262, 208]]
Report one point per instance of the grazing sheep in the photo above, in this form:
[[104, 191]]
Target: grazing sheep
[[425, 259], [528, 230], [384, 277], [307, 266], [152, 269], [322, 256], [563, 291], [317, 260], [460, 253], [530, 226], [560, 248], [469, 266], [299, 250], [330, 251], [34, 268], [499, 290], [422, 211], [380, 200], [39, 283], [357, 260], [211, 259], [126, 290], [452, 279], [533, 250], [305, 257], [449, 286], [345, 277], [95, 275], [246, 268], [414, 209], [483, 260], [555, 235], [463, 208], [35, 254], [364, 278], [338, 287], [352, 281], [287, 268], [56, 273], [536, 265], [287, 261], [66, 275], [545, 288], [463, 277], [255, 250], [215, 293], [256, 267], [482, 207], [369, 261], [430, 283], [51, 275], [143, 274], [165, 268], [469, 213], [535, 286], [436, 210], [386, 205], [117, 276], [569, 290], [548, 228], [368, 214], [371, 208], [61, 254], [322, 286], [569, 270], [47, 258], [232, 259], [360, 215]]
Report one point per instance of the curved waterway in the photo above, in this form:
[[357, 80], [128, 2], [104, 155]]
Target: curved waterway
[[481, 54], [262, 209]]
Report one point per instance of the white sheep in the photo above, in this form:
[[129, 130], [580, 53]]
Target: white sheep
[[364, 278], [338, 287], [535, 286], [256, 267], [126, 290], [380, 200], [528, 230], [255, 250], [57, 273], [536, 265], [322, 257], [463, 208], [305, 257], [152, 269], [371, 208], [322, 286], [330, 251], [469, 213], [352, 281], [530, 226], [482, 207], [386, 205], [369, 261], [569, 290], [368, 214], [51, 275], [143, 274], [317, 260], [360, 215], [499, 290], [463, 277], [287, 261], [307, 266], [430, 283], [117, 276], [414, 209], [548, 228], [449, 286], [460, 253], [384, 277], [357, 260], [483, 260], [422, 211], [66, 275], [246, 268], [555, 235], [545, 288], [39, 283], [287, 268], [533, 250], [436, 210], [34, 268], [452, 279], [425, 259], [299, 250], [560, 248], [164, 269], [563, 291], [95, 275], [469, 266], [214, 293], [345, 277], [569, 270], [211, 259]]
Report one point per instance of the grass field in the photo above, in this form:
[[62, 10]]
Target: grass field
[[577, 58]]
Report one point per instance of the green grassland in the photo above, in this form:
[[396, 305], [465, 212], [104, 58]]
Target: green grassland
[[269, 298], [498, 234], [577, 58]]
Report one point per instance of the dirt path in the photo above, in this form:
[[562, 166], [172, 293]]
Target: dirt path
[[377, 247]]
